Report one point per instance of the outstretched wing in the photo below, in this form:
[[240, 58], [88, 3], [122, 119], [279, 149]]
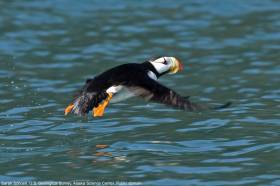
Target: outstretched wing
[[153, 91]]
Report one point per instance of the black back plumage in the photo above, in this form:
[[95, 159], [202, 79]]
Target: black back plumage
[[126, 74]]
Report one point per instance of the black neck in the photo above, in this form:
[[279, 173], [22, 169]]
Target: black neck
[[151, 67]]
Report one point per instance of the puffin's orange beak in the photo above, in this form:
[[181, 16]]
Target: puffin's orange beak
[[181, 65], [177, 65]]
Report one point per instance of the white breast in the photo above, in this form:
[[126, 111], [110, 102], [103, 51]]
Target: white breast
[[120, 93]]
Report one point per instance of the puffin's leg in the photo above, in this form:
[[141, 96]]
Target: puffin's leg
[[68, 109], [99, 110]]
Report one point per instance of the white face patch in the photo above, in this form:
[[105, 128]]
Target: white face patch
[[162, 64]]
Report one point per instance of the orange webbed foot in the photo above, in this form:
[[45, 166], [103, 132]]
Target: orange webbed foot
[[68, 109], [100, 109]]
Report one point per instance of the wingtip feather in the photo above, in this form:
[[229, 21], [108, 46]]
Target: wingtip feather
[[226, 105]]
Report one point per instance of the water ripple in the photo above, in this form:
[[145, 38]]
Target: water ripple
[[230, 52]]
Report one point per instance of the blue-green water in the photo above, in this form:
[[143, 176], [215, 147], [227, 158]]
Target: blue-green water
[[230, 50]]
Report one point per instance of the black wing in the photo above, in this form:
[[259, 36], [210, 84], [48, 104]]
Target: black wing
[[154, 91]]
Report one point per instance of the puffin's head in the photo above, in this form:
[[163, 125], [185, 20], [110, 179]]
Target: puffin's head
[[165, 65]]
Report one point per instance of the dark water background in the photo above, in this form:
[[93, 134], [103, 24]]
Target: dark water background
[[230, 49]]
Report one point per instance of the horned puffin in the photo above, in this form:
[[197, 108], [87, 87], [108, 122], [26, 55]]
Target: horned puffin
[[132, 79]]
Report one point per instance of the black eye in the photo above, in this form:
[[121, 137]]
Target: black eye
[[165, 62]]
